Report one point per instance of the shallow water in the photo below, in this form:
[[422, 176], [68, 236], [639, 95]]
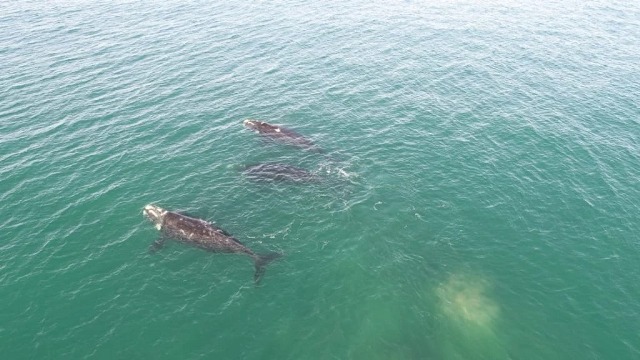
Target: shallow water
[[479, 194]]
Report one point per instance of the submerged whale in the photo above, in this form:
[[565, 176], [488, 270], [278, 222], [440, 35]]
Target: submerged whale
[[204, 235], [279, 172], [281, 134]]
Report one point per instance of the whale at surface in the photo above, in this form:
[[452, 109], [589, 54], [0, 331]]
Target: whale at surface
[[202, 234], [281, 134], [279, 172]]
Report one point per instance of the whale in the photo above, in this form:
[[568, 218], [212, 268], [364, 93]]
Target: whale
[[279, 172], [202, 234], [281, 134]]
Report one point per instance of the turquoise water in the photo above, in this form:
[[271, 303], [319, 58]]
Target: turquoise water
[[479, 197]]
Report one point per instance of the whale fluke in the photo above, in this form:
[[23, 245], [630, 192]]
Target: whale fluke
[[260, 262]]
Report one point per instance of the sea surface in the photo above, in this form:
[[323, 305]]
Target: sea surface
[[479, 193]]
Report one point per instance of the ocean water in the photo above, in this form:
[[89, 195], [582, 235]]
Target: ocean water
[[479, 195]]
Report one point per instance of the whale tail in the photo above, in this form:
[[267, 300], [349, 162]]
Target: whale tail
[[261, 261]]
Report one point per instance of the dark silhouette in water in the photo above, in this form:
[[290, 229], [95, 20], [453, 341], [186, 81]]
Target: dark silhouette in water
[[202, 234], [279, 172], [281, 134]]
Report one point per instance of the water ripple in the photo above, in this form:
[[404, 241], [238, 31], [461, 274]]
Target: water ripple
[[488, 141]]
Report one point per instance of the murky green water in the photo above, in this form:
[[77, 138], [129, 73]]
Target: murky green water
[[479, 194]]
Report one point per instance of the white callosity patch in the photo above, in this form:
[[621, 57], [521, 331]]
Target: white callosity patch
[[155, 214]]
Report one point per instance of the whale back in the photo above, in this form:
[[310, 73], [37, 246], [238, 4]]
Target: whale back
[[278, 172], [281, 134], [201, 233]]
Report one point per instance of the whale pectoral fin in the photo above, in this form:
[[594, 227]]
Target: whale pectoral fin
[[157, 245]]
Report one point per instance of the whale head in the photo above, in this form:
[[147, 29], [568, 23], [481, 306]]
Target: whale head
[[155, 214], [259, 126], [251, 124]]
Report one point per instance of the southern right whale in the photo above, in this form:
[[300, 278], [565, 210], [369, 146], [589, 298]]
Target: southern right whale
[[204, 235], [279, 172], [281, 134]]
